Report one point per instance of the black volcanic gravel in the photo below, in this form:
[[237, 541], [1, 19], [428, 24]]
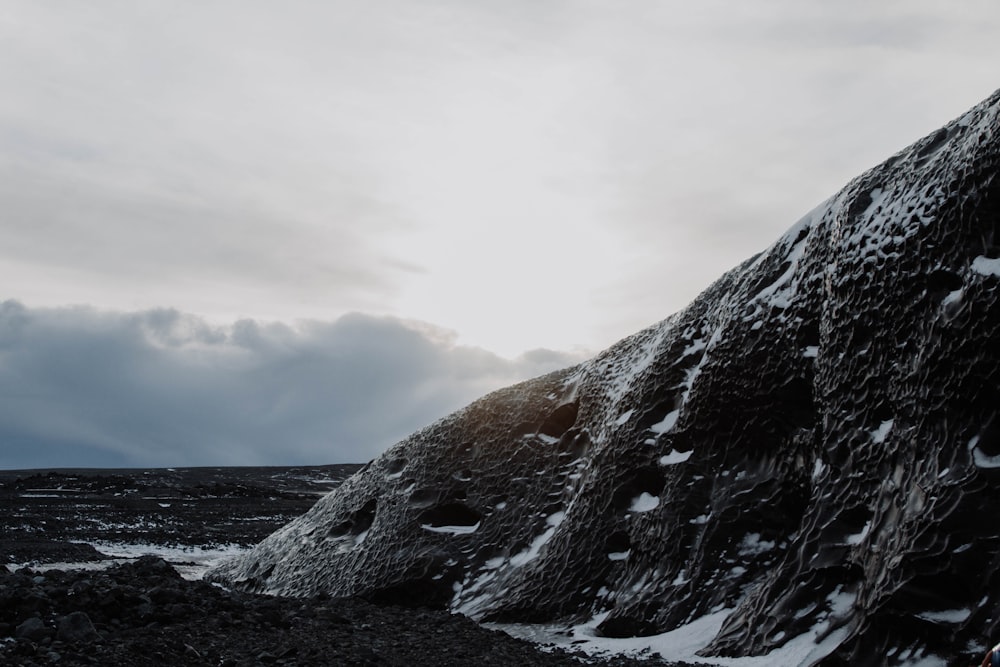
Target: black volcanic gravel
[[143, 613]]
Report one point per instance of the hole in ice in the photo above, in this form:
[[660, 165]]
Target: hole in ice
[[395, 466], [423, 498], [798, 409], [359, 521], [861, 336], [655, 416], [618, 542], [944, 281], [989, 438], [450, 515], [560, 421], [808, 334], [674, 457], [574, 444], [934, 143]]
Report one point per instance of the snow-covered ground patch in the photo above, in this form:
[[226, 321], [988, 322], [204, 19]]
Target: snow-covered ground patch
[[190, 562], [667, 424], [879, 434], [987, 266], [644, 502], [681, 644], [451, 530], [675, 457]]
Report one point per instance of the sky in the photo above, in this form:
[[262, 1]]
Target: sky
[[244, 232]]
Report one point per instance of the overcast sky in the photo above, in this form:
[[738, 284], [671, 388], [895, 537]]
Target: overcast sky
[[244, 231]]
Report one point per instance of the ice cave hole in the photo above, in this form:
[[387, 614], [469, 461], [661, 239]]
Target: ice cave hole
[[450, 514], [359, 521], [560, 421]]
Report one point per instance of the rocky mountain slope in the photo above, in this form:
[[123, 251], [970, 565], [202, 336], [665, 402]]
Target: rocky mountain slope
[[813, 444]]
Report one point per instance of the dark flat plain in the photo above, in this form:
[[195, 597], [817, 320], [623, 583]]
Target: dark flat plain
[[44, 512]]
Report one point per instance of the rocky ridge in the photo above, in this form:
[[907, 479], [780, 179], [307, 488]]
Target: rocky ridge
[[812, 445]]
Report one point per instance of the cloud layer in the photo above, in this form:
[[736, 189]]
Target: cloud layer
[[434, 159], [82, 387]]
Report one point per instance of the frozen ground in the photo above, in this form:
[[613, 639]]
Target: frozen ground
[[191, 562]]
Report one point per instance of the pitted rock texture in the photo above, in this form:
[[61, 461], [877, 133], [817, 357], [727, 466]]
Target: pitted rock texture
[[814, 443]]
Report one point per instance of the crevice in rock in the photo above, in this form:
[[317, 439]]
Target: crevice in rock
[[560, 420], [450, 514]]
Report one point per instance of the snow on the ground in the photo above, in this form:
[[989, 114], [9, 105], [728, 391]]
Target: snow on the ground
[[680, 644], [190, 562]]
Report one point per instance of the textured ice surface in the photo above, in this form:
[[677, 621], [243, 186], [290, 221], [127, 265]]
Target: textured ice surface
[[804, 460]]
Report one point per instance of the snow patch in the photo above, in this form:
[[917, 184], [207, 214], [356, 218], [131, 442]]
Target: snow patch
[[858, 538], [987, 266], [624, 418], [879, 434], [675, 457], [452, 530], [667, 424], [753, 545], [644, 502], [536, 545], [681, 644], [695, 346], [954, 616], [953, 297]]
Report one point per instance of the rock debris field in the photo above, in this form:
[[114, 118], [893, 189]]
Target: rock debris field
[[65, 602]]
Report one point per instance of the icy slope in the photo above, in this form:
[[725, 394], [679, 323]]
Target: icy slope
[[813, 443]]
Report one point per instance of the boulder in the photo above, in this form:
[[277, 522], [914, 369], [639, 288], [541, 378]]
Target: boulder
[[76, 628], [33, 629]]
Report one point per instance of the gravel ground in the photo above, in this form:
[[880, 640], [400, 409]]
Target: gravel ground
[[143, 612]]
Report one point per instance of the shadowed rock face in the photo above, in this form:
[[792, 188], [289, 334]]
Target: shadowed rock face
[[814, 444]]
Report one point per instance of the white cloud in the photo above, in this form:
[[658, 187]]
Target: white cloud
[[82, 387], [519, 172]]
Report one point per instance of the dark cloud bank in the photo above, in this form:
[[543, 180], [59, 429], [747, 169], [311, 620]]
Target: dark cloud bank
[[82, 387]]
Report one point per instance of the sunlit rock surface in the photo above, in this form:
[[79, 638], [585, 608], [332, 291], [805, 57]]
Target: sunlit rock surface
[[814, 444]]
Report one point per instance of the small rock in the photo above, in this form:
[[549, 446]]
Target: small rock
[[32, 629], [77, 628]]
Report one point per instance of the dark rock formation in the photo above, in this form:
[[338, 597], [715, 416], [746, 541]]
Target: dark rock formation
[[76, 628], [813, 444]]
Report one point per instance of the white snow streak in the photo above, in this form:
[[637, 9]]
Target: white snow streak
[[987, 266]]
